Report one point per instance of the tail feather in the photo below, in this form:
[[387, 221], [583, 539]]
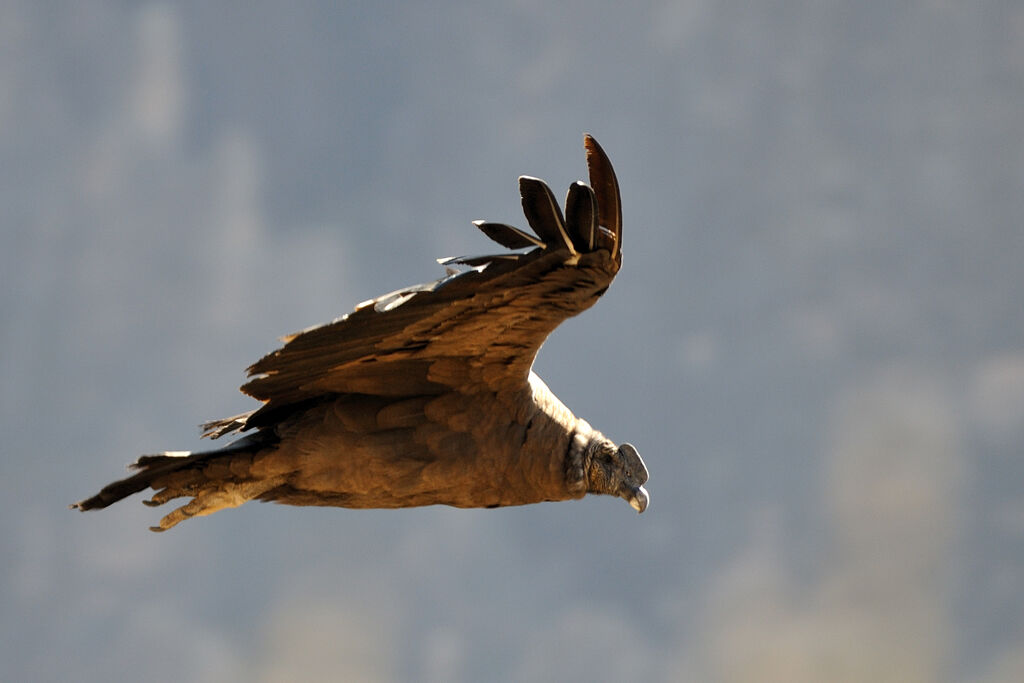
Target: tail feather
[[207, 476], [149, 468]]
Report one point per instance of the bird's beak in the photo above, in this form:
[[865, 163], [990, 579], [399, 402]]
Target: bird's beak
[[637, 498]]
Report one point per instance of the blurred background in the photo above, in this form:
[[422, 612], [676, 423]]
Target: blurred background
[[816, 341]]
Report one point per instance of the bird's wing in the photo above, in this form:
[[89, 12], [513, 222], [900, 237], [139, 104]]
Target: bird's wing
[[475, 330]]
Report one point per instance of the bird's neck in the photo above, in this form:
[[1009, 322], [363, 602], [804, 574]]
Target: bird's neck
[[562, 454]]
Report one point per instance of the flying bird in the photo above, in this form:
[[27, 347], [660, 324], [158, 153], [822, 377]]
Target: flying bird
[[426, 395]]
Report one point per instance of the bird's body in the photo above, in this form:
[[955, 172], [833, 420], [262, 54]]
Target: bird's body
[[389, 453], [426, 395]]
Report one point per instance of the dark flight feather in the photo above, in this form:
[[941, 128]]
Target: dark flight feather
[[508, 236], [609, 203], [581, 216], [542, 213]]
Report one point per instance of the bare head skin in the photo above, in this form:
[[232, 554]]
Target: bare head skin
[[618, 471]]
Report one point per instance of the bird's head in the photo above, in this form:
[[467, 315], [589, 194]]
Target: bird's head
[[618, 471]]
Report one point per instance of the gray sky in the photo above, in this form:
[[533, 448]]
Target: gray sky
[[815, 340]]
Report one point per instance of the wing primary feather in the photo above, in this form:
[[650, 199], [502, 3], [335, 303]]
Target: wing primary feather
[[543, 214], [606, 188], [477, 260], [508, 235], [581, 216]]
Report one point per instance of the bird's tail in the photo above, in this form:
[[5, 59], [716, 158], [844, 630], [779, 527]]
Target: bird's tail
[[214, 480]]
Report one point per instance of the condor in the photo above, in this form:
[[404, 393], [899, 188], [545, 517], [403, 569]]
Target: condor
[[426, 395]]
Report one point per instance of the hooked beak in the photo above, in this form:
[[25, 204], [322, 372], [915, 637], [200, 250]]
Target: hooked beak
[[637, 498]]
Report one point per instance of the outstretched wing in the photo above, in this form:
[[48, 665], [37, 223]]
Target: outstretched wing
[[475, 330]]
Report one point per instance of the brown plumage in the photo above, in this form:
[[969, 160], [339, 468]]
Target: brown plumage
[[425, 395]]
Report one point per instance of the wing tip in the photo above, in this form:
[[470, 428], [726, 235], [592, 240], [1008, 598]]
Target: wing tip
[[606, 187]]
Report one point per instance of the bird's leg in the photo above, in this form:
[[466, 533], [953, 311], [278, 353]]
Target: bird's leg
[[213, 498]]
